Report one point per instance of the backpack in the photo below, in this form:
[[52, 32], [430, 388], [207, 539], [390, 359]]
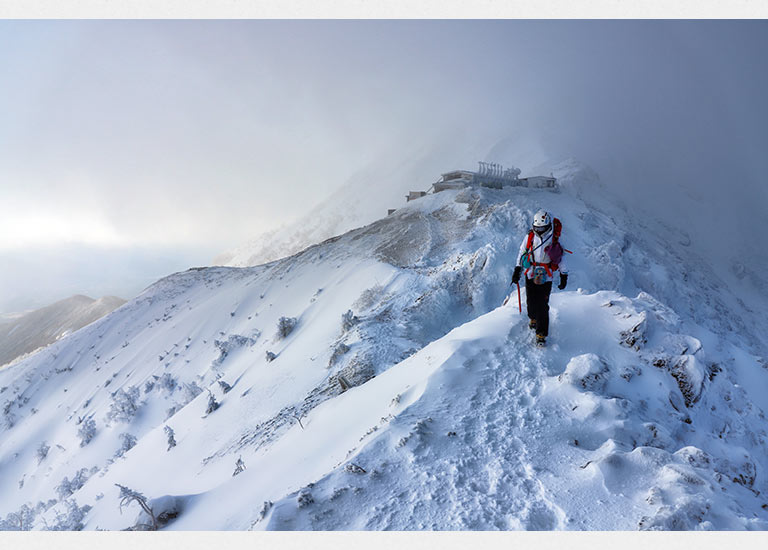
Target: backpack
[[554, 250]]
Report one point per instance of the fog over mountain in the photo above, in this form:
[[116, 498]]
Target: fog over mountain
[[669, 113], [146, 134]]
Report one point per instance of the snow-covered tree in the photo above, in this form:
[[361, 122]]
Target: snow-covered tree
[[191, 391], [87, 431], [71, 519], [124, 405], [212, 404], [129, 495], [285, 326], [239, 466], [171, 437], [8, 417], [67, 488], [20, 520], [167, 383], [42, 451], [128, 442]]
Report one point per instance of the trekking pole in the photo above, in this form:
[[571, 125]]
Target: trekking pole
[[519, 302]]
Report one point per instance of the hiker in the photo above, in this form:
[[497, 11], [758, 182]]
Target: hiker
[[541, 255]]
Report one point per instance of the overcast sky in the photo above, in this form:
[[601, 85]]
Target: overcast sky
[[185, 138]]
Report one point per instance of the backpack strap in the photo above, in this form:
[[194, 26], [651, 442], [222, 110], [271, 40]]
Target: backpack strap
[[528, 248], [549, 268], [529, 251]]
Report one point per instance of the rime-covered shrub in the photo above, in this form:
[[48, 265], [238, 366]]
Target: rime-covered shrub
[[149, 385], [305, 498], [41, 506], [171, 437], [232, 343], [224, 386], [129, 495], [87, 431], [71, 519], [285, 326], [67, 488], [124, 405], [167, 383], [212, 404], [191, 391], [20, 520], [169, 412], [270, 357], [9, 419], [239, 466], [348, 320], [42, 451], [128, 442]]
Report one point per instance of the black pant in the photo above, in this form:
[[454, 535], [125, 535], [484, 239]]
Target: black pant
[[538, 304]]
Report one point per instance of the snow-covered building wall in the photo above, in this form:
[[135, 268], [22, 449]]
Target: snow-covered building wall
[[490, 175], [539, 181]]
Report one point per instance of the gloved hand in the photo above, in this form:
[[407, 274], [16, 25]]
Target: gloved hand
[[516, 275], [563, 281]]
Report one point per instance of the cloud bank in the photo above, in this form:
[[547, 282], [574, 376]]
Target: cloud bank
[[206, 133]]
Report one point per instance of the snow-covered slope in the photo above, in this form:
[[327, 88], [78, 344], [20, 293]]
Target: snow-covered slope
[[28, 332], [363, 198], [374, 382], [624, 423]]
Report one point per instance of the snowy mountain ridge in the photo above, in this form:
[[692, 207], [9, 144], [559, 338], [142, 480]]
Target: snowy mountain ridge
[[27, 332], [374, 382]]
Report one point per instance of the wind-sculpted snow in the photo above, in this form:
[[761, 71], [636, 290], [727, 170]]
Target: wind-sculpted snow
[[484, 431], [403, 396]]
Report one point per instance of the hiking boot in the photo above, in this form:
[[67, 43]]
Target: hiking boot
[[532, 324], [541, 340]]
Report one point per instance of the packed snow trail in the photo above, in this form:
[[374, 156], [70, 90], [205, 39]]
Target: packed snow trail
[[507, 436]]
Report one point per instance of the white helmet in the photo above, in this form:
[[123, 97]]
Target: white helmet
[[542, 221]]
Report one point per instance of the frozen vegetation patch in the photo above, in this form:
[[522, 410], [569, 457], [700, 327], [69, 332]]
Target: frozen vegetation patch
[[170, 436], [67, 487], [285, 326], [87, 431], [71, 518], [42, 451], [234, 342], [127, 442], [124, 406]]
